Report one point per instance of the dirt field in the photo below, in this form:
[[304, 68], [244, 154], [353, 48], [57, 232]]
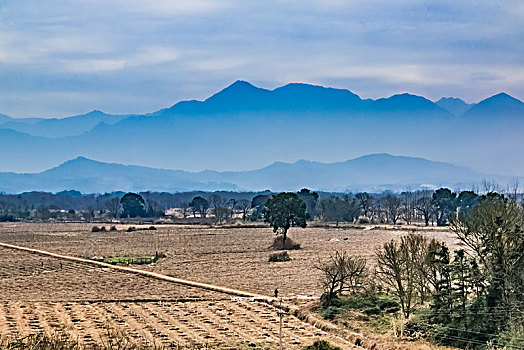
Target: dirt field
[[46, 294], [232, 257]]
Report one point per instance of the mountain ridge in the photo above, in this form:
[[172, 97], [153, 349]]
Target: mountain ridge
[[373, 172], [244, 126]]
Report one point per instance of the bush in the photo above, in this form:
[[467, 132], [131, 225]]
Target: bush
[[152, 228], [131, 229], [95, 229], [278, 244], [373, 310], [112, 228], [322, 345], [279, 257]]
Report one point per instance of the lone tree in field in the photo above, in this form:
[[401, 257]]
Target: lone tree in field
[[283, 211], [133, 205]]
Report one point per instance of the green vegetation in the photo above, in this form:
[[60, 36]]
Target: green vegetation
[[133, 206], [133, 260], [377, 309], [283, 211], [337, 209], [199, 205], [470, 298]]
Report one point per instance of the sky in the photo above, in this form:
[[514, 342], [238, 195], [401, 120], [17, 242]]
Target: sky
[[67, 57]]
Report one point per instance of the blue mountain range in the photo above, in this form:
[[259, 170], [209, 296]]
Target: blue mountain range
[[372, 173], [246, 127]]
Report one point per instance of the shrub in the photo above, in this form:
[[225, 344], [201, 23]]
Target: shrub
[[278, 244], [131, 229], [152, 228], [321, 345], [112, 228], [95, 229], [279, 257], [103, 229], [330, 313], [373, 310]]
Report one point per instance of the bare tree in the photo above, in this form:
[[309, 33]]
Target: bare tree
[[244, 205], [365, 201], [425, 206], [513, 188], [342, 273], [392, 205], [399, 268], [113, 206], [184, 208], [408, 206], [489, 186]]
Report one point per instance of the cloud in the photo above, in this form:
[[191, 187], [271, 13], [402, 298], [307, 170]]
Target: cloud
[[148, 56], [164, 7]]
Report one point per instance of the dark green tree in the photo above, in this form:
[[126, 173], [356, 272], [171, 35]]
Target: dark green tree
[[258, 203], [311, 200], [200, 205], [133, 205], [444, 202], [365, 201], [466, 201], [339, 209], [283, 211]]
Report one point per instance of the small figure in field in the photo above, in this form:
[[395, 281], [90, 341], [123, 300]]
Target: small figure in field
[[276, 293], [60, 265], [42, 264]]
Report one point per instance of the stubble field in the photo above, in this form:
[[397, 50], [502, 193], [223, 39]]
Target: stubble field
[[45, 294]]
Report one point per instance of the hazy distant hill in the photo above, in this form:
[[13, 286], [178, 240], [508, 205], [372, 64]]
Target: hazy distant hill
[[89, 176], [246, 127], [61, 127], [4, 119], [376, 172]]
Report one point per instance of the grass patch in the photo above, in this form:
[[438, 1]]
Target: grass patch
[[133, 260]]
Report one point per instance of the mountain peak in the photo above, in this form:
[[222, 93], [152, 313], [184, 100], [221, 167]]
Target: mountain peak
[[453, 105], [239, 95], [498, 104], [238, 87], [502, 96], [94, 112], [242, 84], [76, 161]]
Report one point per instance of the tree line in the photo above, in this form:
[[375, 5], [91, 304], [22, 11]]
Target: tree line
[[472, 297], [426, 206]]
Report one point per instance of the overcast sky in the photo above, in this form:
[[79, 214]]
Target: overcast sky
[[66, 57]]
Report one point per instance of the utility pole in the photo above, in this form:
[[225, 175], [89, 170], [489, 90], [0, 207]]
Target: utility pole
[[280, 314]]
